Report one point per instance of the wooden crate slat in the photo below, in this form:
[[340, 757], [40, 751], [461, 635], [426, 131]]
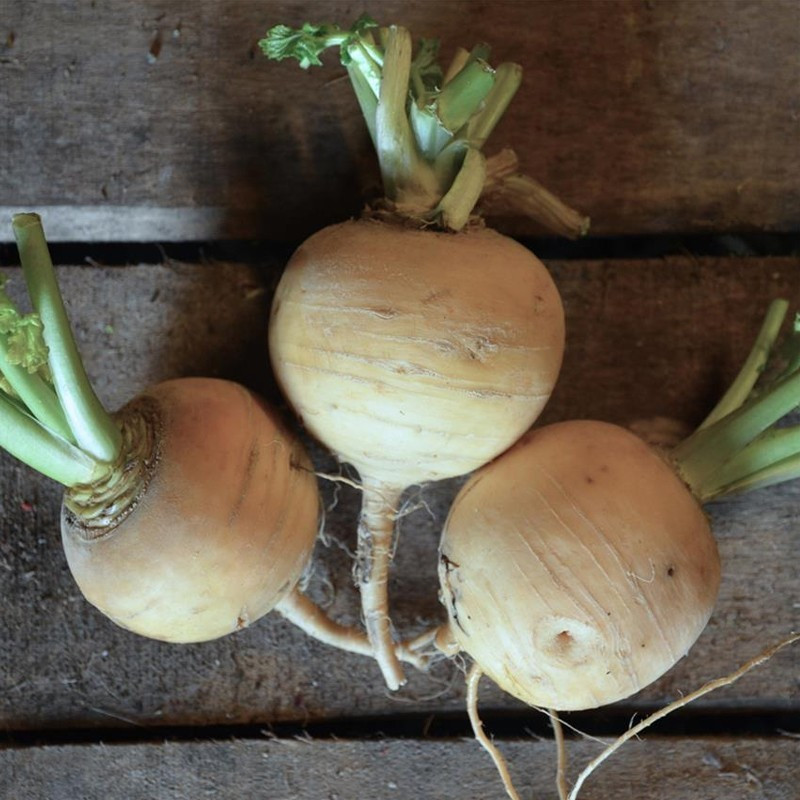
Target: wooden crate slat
[[674, 116], [645, 338], [714, 769]]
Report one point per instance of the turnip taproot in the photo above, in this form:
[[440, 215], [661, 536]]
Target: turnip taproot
[[188, 514], [416, 343], [579, 566]]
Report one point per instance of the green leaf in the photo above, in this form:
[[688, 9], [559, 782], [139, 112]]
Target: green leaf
[[26, 346], [24, 343], [306, 43]]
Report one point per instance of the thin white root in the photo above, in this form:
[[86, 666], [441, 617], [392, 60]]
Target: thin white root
[[303, 612], [718, 683], [473, 679], [561, 751], [327, 476], [373, 556]]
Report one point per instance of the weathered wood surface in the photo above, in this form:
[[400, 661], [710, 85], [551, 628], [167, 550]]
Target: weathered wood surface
[[646, 338], [391, 769], [160, 120]]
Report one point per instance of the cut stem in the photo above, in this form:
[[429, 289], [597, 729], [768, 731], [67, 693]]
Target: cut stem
[[463, 95], [94, 430], [519, 194], [28, 440], [373, 557], [507, 79], [407, 179]]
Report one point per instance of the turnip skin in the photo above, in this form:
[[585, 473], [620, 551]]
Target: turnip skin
[[222, 530], [415, 355], [577, 568]]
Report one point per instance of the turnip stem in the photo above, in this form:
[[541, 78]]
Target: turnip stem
[[507, 79], [767, 459], [519, 194], [711, 686], [736, 449], [303, 612], [700, 457], [421, 110], [473, 679], [741, 387], [407, 179], [460, 60], [367, 100], [456, 206], [374, 554], [462, 96], [93, 429], [28, 440]]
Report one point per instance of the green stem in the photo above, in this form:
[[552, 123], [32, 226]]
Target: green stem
[[507, 80], [463, 95], [706, 451], [429, 133], [35, 393], [94, 430], [456, 206], [425, 119], [367, 100], [753, 366], [779, 472], [407, 179], [28, 440], [768, 456], [460, 60]]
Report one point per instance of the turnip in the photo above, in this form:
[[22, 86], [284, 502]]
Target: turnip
[[579, 566], [416, 343], [188, 514]]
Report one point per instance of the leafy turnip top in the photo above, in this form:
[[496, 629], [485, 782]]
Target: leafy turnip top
[[429, 124]]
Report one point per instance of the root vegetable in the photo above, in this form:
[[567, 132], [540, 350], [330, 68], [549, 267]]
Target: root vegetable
[[414, 345], [218, 526], [579, 566], [609, 569], [187, 515]]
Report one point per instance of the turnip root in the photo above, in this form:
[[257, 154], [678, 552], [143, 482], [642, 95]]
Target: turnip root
[[187, 515], [414, 345]]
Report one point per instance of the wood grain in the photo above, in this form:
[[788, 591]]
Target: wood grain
[[671, 116], [645, 338], [714, 769]]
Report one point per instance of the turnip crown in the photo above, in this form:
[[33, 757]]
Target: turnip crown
[[429, 123]]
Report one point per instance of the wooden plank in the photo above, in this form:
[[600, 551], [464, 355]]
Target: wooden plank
[[685, 769], [645, 338], [673, 116]]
